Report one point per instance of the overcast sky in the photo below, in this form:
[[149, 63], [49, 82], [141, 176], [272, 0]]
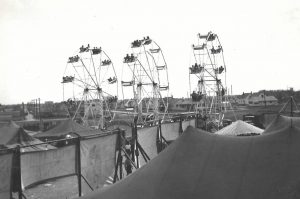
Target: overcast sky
[[261, 40]]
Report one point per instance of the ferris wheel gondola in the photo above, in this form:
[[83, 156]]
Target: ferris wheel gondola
[[208, 79], [145, 83], [90, 87]]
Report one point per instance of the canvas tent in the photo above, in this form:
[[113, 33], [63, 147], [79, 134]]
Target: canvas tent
[[12, 135], [280, 123], [203, 165], [238, 128], [67, 127]]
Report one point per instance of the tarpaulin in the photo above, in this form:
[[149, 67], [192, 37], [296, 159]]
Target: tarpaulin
[[5, 175], [187, 123], [170, 131], [43, 165], [98, 156], [147, 139]]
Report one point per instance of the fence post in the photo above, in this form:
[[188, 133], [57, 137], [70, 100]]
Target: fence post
[[78, 165]]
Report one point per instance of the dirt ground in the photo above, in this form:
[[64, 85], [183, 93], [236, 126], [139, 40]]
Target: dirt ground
[[64, 188]]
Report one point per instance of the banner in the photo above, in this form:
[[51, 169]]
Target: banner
[[170, 131], [43, 165], [5, 175], [147, 139], [98, 156]]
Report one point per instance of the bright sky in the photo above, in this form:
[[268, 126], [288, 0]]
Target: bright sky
[[261, 40]]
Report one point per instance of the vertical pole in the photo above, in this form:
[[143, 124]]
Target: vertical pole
[[180, 126], [78, 165], [121, 164], [159, 139], [40, 109], [18, 166], [196, 121], [35, 108], [160, 135], [135, 143], [116, 168], [119, 158], [291, 106], [132, 143]]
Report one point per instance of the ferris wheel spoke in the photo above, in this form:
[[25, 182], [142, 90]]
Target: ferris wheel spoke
[[80, 78], [148, 62], [93, 64], [83, 87], [145, 71], [97, 85]]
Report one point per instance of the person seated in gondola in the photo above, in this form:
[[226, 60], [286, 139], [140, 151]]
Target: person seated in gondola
[[112, 80], [213, 50], [96, 50], [82, 49], [126, 58], [219, 49], [211, 37], [132, 58], [221, 69]]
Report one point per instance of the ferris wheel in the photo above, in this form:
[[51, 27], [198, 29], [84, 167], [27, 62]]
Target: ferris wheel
[[90, 87], [207, 78], [145, 84]]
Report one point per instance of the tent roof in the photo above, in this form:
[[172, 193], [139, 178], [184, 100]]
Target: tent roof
[[64, 128], [203, 165], [239, 128], [12, 135], [281, 122]]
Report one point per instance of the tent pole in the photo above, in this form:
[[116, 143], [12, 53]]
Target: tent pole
[[291, 106], [120, 167], [78, 155], [119, 156], [18, 166], [180, 126], [196, 121], [135, 142]]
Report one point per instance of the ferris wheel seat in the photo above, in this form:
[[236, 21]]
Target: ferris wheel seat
[[195, 69], [84, 49], [147, 42], [112, 80], [160, 67], [157, 50], [105, 62], [124, 83], [96, 51], [68, 79], [199, 47], [211, 37], [163, 87], [136, 44], [129, 58], [216, 51], [73, 59]]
